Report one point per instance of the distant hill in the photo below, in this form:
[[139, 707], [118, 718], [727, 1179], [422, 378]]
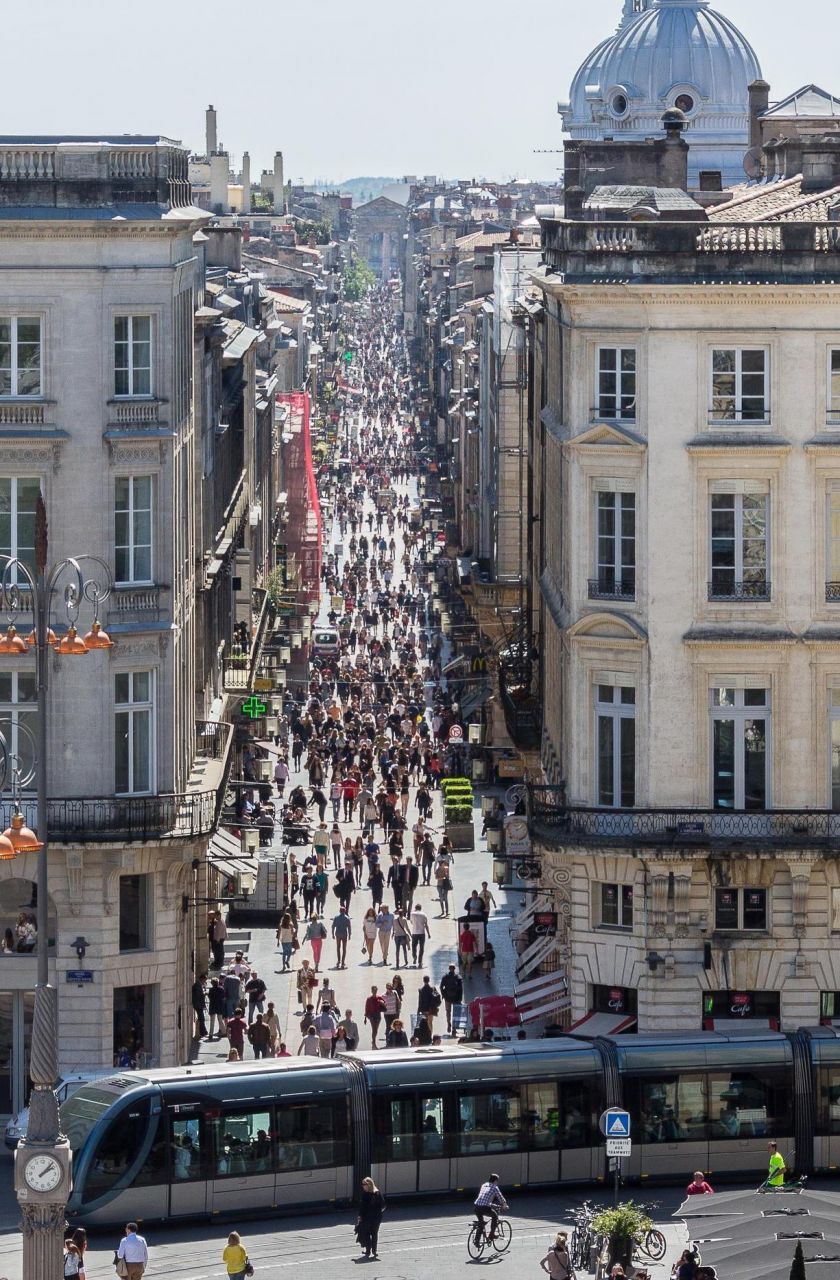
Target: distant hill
[[361, 189]]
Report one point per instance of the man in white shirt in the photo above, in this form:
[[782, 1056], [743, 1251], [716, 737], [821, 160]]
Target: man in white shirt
[[385, 927], [134, 1252], [419, 933]]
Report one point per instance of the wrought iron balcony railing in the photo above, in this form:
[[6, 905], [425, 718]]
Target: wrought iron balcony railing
[[238, 670], [557, 823], [605, 588], [729, 590], [123, 819]]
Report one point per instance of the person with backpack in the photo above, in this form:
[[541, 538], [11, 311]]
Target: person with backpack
[[452, 990], [428, 1001]]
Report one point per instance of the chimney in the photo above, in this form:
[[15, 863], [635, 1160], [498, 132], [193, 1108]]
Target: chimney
[[246, 182], [279, 184], [219, 176], [210, 129], [759, 92], [674, 161]]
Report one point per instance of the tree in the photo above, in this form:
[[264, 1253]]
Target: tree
[[321, 230], [358, 280], [797, 1267]]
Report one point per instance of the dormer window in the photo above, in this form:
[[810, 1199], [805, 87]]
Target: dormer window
[[619, 104], [685, 103]]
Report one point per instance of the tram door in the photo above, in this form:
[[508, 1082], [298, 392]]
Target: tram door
[[433, 1157], [188, 1160]]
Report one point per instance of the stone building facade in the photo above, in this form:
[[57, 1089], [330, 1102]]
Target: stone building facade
[[686, 481], [130, 404], [380, 227]]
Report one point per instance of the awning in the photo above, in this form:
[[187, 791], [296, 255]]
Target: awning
[[741, 1026], [603, 1024], [225, 854], [540, 997]]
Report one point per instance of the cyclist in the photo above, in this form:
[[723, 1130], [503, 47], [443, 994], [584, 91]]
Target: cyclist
[[777, 1169], [488, 1202]]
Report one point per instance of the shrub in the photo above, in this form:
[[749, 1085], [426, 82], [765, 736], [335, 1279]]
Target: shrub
[[624, 1227]]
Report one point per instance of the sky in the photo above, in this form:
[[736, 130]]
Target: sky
[[346, 88]]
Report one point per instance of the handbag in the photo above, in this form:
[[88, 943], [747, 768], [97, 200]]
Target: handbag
[[121, 1267], [249, 1266], [295, 945]]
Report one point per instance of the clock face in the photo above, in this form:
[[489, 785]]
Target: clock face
[[42, 1173], [518, 828]]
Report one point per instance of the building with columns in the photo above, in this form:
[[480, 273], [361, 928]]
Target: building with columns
[[129, 402]]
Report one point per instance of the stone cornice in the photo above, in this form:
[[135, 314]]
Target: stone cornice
[[628, 293], [720, 447]]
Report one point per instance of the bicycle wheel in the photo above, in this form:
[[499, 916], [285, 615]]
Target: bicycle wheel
[[575, 1249], [475, 1242], [655, 1244], [503, 1237]]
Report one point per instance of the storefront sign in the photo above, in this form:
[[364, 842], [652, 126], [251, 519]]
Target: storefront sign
[[545, 924], [510, 769]]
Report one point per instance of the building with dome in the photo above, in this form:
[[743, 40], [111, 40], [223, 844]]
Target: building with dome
[[670, 53]]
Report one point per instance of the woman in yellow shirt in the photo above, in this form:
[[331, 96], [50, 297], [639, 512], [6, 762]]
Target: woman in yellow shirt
[[235, 1257]]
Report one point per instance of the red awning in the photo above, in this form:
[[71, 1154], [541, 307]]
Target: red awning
[[603, 1024]]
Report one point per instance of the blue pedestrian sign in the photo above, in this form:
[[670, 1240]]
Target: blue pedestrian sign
[[615, 1123]]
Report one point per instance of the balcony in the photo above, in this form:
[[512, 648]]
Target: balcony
[[129, 605], [124, 819], [26, 413], [239, 669], [125, 414], [557, 823], [720, 590], [612, 588]]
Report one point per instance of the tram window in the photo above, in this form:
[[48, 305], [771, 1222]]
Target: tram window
[[672, 1108], [744, 1104], [432, 1128], [312, 1134], [82, 1111], [581, 1105], [187, 1147], [488, 1122], [541, 1118], [829, 1100], [395, 1129], [117, 1149], [153, 1169], [242, 1144]]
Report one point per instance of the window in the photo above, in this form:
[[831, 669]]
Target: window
[[133, 355], [742, 909], [740, 388], [242, 1144], [134, 913], [616, 537], [828, 1093], [188, 1145], [615, 716], [133, 529], [133, 733], [670, 1108], [833, 414], [740, 748], [312, 1135], [832, 548], [684, 102], [432, 1127], [835, 911], [617, 383], [834, 746], [617, 906], [19, 719], [541, 1117], [488, 1123], [135, 1026], [20, 356], [394, 1128], [18, 503], [738, 527], [128, 1152], [747, 1104]]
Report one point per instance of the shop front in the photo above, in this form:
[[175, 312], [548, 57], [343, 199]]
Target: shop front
[[733, 1010]]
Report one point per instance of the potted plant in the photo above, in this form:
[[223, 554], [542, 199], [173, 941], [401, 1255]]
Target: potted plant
[[458, 812], [624, 1227]]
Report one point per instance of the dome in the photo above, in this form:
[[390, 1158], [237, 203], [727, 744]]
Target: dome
[[669, 53]]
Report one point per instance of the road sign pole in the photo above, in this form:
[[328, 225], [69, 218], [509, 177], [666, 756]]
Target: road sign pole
[[617, 1179]]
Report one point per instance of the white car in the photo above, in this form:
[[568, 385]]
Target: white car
[[16, 1127]]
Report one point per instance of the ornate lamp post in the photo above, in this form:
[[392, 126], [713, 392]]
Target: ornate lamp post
[[43, 1159]]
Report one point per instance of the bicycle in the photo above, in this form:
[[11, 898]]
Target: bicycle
[[652, 1245], [478, 1239], [580, 1247]]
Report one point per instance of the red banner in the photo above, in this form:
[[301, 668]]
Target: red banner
[[303, 537]]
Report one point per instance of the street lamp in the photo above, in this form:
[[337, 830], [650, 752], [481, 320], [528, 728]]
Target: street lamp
[[43, 1159]]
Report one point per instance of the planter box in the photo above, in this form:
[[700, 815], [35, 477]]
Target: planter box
[[462, 835]]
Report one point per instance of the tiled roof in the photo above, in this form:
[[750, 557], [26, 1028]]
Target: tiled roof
[[480, 239], [285, 301], [778, 202]]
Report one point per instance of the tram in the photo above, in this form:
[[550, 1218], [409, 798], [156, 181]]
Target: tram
[[273, 1136]]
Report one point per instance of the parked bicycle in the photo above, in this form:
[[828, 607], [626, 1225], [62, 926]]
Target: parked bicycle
[[583, 1237], [482, 1237]]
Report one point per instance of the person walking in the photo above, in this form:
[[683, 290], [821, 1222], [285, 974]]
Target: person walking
[[326, 1026], [401, 933], [342, 931], [310, 1045], [134, 1252], [256, 991], [411, 878], [259, 1037], [428, 1002], [444, 886], [466, 947], [369, 933], [286, 939], [419, 933], [487, 898], [452, 990], [281, 775], [237, 1029], [385, 929], [272, 1021], [371, 1209], [393, 1003], [199, 1004], [374, 1009], [306, 982], [216, 1008], [376, 884], [234, 1257], [396, 1037], [315, 935], [350, 1029], [218, 937], [73, 1266]]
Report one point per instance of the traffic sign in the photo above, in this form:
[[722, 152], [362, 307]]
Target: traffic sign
[[615, 1123], [621, 1147], [456, 733]]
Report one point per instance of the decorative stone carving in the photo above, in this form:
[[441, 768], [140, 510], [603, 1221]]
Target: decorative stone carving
[[74, 866], [799, 880], [682, 899], [658, 905]]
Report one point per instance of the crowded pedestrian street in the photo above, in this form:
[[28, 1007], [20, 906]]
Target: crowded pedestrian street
[[388, 931]]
